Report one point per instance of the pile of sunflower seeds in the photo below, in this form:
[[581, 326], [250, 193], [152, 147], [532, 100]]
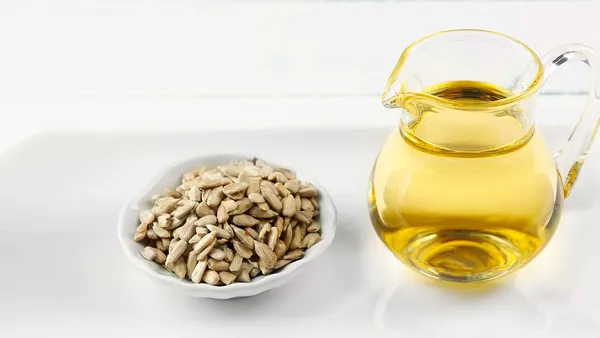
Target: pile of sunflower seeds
[[231, 223]]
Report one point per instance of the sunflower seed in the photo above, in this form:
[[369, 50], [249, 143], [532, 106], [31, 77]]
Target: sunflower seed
[[212, 183], [217, 265], [308, 192], [235, 188], [314, 227], [183, 210], [209, 219], [273, 236], [217, 254], [267, 256], [211, 277], [204, 253], [282, 190], [146, 216], [164, 220], [272, 199], [281, 263], [215, 197], [289, 206], [191, 264], [259, 213], [229, 205], [264, 228], [148, 253], [227, 277], [236, 263], [252, 232], [204, 210], [222, 215], [287, 238], [280, 249], [221, 233], [177, 251], [204, 242], [194, 194], [243, 205], [245, 220], [243, 236], [292, 185], [180, 268], [244, 276], [243, 250], [199, 270], [253, 188], [161, 232], [310, 239], [294, 254], [303, 216], [254, 197]]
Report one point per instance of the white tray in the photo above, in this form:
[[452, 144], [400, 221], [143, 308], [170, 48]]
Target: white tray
[[64, 272]]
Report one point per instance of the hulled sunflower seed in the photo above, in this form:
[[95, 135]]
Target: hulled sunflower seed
[[235, 188], [273, 236], [289, 206], [298, 201], [148, 253], [308, 192], [161, 232], [245, 220], [222, 215], [282, 190], [211, 277], [209, 219], [217, 265], [227, 277], [194, 194], [146, 216], [267, 256], [204, 253], [199, 270], [310, 239], [229, 254], [243, 205], [177, 251], [243, 276], [292, 185], [264, 228], [215, 197], [242, 249], [217, 254], [254, 197], [314, 227], [236, 263], [272, 199], [243, 236], [204, 210], [253, 188], [229, 205], [221, 233], [294, 254], [280, 249], [191, 264], [260, 213], [281, 263], [204, 242], [212, 183], [180, 268]]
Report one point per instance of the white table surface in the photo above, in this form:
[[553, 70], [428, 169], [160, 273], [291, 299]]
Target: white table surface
[[97, 96], [65, 272]]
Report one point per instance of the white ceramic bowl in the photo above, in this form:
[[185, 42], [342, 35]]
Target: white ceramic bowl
[[171, 177]]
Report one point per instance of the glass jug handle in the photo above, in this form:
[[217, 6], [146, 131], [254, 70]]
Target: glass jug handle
[[571, 156]]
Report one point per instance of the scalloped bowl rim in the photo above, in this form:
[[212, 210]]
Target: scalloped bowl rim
[[328, 220]]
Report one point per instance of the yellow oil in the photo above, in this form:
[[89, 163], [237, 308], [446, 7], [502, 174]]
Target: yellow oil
[[465, 195]]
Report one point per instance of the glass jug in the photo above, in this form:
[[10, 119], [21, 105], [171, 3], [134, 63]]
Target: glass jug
[[465, 189]]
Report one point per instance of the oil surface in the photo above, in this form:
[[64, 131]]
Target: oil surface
[[465, 195]]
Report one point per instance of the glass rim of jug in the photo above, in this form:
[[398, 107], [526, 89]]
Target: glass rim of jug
[[531, 89]]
